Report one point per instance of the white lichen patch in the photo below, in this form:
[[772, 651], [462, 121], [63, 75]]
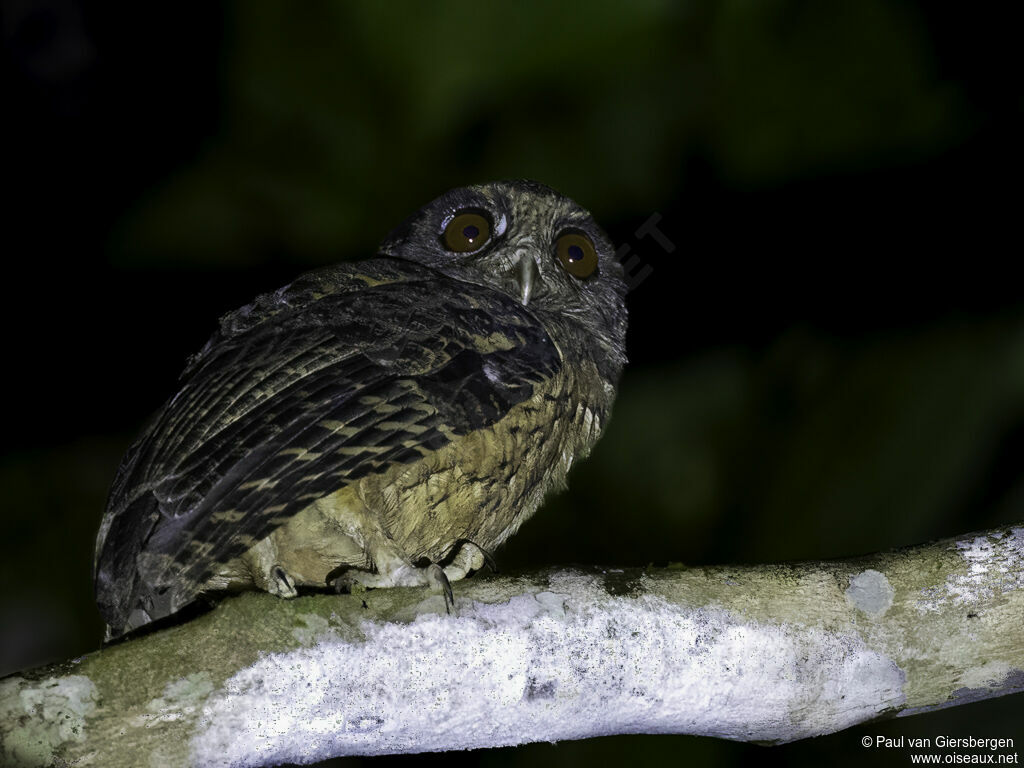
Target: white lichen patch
[[569, 663], [181, 699], [58, 709], [987, 675], [994, 565], [871, 593]]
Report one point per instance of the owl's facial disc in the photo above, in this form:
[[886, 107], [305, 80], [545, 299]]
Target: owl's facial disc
[[519, 237], [469, 231]]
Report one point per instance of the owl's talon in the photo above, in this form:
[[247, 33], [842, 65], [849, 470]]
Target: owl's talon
[[489, 560], [404, 575], [475, 552], [438, 580], [280, 583], [468, 557]]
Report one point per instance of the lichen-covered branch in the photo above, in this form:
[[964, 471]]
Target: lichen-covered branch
[[767, 653]]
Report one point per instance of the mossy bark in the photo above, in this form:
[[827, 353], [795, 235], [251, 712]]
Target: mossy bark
[[835, 643]]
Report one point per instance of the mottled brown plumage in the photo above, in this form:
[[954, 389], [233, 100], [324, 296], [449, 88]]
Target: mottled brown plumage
[[385, 422]]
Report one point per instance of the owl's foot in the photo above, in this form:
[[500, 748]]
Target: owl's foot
[[403, 575], [468, 557], [438, 581], [280, 583], [265, 570]]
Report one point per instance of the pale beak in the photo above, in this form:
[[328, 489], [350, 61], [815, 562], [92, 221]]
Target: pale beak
[[527, 274]]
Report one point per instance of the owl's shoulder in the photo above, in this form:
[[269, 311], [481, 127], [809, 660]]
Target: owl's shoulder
[[338, 280], [296, 300]]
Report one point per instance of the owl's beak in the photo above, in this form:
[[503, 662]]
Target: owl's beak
[[527, 274]]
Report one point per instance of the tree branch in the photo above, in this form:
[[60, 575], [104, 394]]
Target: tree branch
[[767, 653]]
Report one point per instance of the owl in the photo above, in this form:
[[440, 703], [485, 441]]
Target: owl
[[380, 423]]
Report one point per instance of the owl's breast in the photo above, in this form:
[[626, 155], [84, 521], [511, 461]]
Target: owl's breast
[[485, 484]]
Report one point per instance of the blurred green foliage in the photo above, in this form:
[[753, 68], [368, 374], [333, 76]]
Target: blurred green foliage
[[813, 449], [340, 120]]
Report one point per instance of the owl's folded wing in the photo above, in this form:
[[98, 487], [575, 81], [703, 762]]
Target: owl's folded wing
[[295, 399]]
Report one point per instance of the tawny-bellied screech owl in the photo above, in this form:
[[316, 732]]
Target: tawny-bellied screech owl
[[385, 422]]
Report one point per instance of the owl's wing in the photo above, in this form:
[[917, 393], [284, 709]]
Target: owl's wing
[[298, 395]]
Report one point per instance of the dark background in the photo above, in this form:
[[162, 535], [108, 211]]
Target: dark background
[[828, 359]]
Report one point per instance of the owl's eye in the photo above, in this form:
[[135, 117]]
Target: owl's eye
[[577, 254], [467, 231]]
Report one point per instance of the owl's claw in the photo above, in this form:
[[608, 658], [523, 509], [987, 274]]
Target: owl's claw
[[280, 583], [438, 580], [468, 556], [432, 576], [488, 558]]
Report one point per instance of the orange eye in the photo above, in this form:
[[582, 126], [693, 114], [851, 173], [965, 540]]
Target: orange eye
[[577, 254], [467, 231]]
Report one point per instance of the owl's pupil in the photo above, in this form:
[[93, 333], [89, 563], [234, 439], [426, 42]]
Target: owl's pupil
[[470, 232], [575, 253]]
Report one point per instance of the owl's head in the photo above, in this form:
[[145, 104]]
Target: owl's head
[[524, 239]]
